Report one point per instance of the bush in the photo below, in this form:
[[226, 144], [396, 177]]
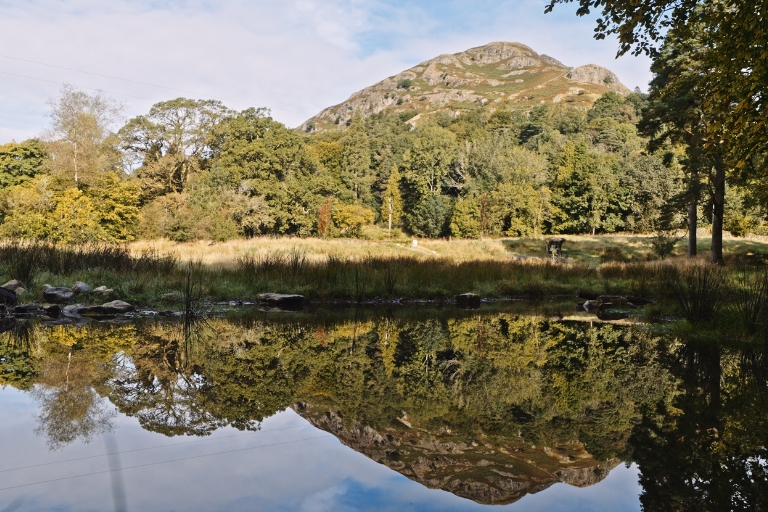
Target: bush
[[350, 219], [405, 83]]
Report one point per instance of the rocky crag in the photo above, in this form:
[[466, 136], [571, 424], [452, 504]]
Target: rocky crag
[[489, 76], [486, 471]]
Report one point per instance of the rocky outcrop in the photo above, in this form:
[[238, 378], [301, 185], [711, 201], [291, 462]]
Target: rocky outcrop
[[598, 75], [481, 470], [489, 75]]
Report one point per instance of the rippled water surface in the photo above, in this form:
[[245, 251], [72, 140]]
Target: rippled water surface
[[402, 409]]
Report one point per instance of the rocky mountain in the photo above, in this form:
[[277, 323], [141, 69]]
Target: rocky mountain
[[484, 470], [489, 76]]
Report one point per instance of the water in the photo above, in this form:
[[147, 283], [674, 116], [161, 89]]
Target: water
[[405, 409]]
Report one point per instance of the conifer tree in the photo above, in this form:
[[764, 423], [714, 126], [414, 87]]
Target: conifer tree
[[357, 159]]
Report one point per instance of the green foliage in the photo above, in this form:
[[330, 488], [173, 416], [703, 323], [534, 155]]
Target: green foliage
[[465, 219], [20, 162], [429, 217]]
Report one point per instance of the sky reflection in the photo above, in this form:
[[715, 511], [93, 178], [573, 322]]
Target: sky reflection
[[289, 465]]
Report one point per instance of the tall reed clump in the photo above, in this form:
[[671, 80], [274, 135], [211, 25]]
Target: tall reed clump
[[700, 291], [751, 301], [23, 259]]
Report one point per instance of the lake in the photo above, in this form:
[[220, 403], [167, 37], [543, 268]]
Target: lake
[[519, 407]]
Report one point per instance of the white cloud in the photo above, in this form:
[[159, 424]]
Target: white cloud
[[294, 57]]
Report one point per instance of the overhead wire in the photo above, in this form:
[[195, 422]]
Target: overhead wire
[[132, 81], [160, 462], [145, 449]]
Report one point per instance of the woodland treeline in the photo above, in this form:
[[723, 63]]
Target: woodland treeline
[[192, 169]]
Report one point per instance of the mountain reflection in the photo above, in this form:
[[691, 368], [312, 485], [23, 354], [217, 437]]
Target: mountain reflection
[[488, 406]]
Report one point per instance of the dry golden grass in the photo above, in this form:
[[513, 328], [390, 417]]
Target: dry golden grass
[[581, 248]]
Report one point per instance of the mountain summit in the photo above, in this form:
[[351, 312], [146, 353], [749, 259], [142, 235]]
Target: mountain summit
[[489, 76]]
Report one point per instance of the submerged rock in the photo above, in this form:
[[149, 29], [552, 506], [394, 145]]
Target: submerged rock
[[52, 310], [119, 306], [28, 310], [12, 284], [81, 287], [280, 298], [7, 297], [468, 300], [57, 295]]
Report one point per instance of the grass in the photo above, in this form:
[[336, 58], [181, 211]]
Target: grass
[[160, 273]]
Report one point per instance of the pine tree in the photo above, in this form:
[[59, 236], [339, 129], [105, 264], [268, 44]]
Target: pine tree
[[357, 159]]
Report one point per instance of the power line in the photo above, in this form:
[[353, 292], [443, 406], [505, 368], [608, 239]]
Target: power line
[[64, 83], [161, 462], [141, 83], [144, 449]]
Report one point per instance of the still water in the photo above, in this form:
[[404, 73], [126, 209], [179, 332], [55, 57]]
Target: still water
[[404, 409]]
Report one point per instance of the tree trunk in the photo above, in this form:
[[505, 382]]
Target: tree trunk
[[718, 206], [693, 220]]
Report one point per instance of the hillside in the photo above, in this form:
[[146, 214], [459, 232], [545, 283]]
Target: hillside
[[494, 74]]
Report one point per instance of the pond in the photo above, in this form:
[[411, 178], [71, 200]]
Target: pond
[[515, 406]]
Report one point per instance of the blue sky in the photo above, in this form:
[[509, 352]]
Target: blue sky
[[294, 56]]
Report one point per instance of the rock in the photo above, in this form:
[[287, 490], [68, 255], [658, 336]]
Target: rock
[[20, 291], [72, 311], [99, 311], [639, 301], [119, 306], [280, 298], [586, 295], [103, 291], [7, 297], [81, 287], [12, 284], [468, 300], [172, 297], [591, 305], [610, 300], [28, 310], [52, 310], [57, 295], [598, 75]]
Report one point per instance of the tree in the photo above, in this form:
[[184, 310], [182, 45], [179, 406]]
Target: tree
[[392, 207], [171, 143], [22, 161], [356, 167], [80, 139], [677, 113]]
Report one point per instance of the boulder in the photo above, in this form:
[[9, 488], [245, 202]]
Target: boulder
[[7, 297], [57, 295], [81, 287], [52, 310], [20, 290], [468, 300], [280, 298], [587, 295], [12, 284], [103, 291], [118, 306]]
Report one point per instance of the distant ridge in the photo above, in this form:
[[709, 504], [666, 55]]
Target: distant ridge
[[496, 74]]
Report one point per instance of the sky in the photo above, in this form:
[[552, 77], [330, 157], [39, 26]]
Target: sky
[[294, 57]]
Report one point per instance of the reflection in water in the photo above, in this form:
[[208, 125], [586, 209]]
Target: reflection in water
[[488, 406]]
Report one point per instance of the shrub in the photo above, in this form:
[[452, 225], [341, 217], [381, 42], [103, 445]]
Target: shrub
[[405, 83], [350, 219]]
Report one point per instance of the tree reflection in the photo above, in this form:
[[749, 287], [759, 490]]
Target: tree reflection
[[70, 408], [706, 448]]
